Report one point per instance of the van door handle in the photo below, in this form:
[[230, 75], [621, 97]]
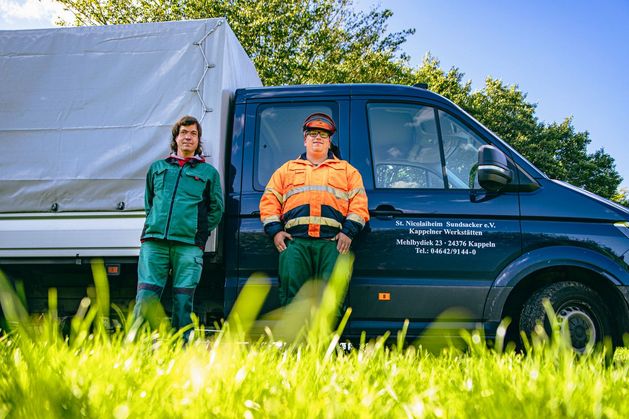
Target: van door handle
[[385, 212]]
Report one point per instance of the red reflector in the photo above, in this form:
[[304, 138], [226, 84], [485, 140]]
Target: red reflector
[[384, 296], [113, 269]]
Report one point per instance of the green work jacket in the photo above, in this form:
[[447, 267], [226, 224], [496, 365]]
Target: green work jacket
[[182, 203]]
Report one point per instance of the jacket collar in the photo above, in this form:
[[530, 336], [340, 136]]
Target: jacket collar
[[194, 160], [331, 156]]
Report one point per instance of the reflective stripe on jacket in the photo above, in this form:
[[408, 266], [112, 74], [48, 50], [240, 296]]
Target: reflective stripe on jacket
[[315, 201]]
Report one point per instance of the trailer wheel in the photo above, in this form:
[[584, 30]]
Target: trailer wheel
[[580, 310]]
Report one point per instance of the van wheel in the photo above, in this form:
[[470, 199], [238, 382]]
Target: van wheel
[[579, 309]]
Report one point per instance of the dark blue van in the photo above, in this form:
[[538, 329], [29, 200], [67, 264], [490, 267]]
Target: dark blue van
[[459, 219]]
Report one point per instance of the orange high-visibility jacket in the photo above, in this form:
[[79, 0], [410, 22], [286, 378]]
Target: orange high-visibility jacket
[[315, 201]]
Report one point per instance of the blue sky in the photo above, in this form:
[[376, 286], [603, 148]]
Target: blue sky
[[570, 56]]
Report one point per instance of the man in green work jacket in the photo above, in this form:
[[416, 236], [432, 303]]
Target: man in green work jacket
[[183, 203]]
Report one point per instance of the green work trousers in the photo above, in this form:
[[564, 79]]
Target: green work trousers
[[184, 262], [303, 260]]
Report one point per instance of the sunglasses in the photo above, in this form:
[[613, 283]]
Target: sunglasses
[[322, 134]]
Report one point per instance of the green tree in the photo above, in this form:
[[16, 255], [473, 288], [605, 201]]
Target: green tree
[[566, 158], [449, 84], [622, 196], [289, 41]]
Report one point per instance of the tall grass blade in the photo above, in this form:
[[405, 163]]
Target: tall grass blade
[[101, 283], [15, 313], [248, 305]]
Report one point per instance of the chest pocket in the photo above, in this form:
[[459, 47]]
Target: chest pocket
[[296, 177], [159, 178], [193, 185], [338, 179]]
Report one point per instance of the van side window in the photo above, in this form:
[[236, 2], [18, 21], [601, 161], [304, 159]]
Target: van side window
[[460, 147], [405, 146], [280, 136]]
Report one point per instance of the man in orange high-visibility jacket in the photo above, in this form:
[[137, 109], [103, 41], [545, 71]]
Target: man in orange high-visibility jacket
[[313, 207]]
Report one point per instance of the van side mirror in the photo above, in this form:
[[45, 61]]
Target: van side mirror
[[493, 170]]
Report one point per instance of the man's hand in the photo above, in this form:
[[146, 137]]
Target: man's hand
[[343, 242], [279, 240]]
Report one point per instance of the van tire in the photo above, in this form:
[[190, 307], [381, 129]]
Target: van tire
[[588, 318]]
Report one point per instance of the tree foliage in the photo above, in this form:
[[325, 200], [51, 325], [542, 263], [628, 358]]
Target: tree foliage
[[327, 41], [622, 196], [290, 41]]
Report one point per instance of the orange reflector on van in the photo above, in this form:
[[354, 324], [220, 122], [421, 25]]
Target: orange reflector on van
[[384, 296], [113, 270]]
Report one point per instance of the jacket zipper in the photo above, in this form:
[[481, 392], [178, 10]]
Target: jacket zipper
[[172, 203]]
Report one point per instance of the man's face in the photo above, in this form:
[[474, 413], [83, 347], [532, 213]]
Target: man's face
[[317, 142], [187, 140]]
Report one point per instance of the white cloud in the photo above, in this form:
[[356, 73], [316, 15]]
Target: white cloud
[[23, 14]]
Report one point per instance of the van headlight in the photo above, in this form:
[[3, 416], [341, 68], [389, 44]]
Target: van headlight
[[623, 226]]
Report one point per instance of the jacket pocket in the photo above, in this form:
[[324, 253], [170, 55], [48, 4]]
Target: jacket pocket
[[193, 185], [337, 178], [297, 177], [159, 179], [337, 181]]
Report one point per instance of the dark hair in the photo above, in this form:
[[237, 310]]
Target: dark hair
[[186, 120]]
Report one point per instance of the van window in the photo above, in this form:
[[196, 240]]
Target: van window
[[460, 146], [280, 135], [405, 146]]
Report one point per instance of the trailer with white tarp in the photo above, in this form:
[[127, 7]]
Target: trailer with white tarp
[[83, 113]]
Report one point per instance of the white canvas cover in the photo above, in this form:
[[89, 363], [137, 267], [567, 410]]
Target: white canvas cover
[[84, 111]]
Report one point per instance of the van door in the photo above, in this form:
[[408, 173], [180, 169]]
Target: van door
[[273, 135], [435, 241]]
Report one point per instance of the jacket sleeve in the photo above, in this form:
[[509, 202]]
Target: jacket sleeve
[[148, 191], [216, 201], [358, 213], [271, 203]]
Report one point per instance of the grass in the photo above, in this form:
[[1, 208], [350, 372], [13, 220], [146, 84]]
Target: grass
[[136, 372]]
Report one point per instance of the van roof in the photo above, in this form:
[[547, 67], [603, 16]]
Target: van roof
[[252, 93]]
